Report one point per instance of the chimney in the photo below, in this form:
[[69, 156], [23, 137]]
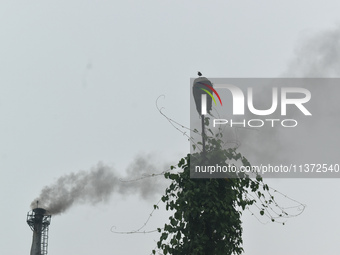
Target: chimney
[[39, 221]]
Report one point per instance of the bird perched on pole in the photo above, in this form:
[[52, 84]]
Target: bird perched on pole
[[199, 73]]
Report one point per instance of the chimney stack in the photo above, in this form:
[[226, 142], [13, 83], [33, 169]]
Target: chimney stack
[[39, 221]]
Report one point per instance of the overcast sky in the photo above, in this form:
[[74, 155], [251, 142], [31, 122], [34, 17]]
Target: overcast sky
[[78, 85]]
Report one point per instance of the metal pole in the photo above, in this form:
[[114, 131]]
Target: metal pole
[[203, 135]]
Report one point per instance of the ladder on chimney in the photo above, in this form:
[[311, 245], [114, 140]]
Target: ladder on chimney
[[44, 240]]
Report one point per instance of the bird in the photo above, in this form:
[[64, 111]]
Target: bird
[[199, 73]]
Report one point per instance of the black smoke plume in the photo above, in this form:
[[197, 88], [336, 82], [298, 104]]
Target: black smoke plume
[[98, 184]]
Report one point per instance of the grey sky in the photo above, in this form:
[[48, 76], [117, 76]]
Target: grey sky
[[79, 81]]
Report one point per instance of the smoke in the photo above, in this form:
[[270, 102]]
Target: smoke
[[98, 184], [316, 138], [318, 55]]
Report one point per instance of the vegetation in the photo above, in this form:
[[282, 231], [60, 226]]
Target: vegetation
[[207, 218]]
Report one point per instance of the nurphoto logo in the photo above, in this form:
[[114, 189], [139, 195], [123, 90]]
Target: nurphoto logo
[[286, 97], [269, 120]]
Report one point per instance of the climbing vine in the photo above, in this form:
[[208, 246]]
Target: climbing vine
[[206, 217], [207, 212]]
